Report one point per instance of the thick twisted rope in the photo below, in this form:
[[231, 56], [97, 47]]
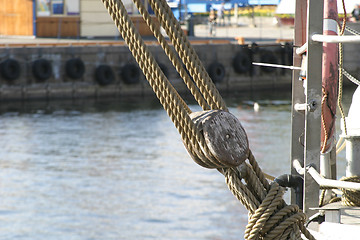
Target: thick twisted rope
[[350, 197], [172, 56], [187, 54], [167, 95], [267, 209], [169, 98], [190, 84], [270, 217]]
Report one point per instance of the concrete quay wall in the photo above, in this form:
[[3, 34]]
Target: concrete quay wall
[[228, 65]]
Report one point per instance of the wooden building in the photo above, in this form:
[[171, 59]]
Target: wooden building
[[17, 17], [62, 18], [96, 22], [58, 18]]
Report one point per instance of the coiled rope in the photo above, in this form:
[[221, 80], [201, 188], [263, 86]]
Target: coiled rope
[[350, 197], [270, 217]]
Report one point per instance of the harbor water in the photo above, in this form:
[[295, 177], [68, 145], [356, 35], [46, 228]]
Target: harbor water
[[117, 169]]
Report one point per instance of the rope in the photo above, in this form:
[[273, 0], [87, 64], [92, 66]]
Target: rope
[[341, 60], [270, 217], [350, 77], [326, 133], [340, 145], [350, 30], [350, 197], [165, 92], [170, 100], [187, 54], [172, 56], [342, 30]]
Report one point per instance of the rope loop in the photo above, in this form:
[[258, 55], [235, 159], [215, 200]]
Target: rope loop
[[269, 216], [350, 197], [274, 220]]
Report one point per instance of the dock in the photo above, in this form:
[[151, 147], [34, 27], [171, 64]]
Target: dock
[[227, 56]]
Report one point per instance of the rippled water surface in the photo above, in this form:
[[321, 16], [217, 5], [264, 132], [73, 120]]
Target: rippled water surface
[[118, 170]]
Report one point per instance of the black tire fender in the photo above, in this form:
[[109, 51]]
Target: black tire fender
[[268, 57], [242, 62], [216, 72], [10, 69], [254, 47], [104, 75], [130, 73], [289, 52], [42, 69], [74, 68]]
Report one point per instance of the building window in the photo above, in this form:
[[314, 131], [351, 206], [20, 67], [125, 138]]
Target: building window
[[57, 7]]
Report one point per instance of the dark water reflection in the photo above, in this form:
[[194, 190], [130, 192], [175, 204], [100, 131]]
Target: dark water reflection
[[118, 170]]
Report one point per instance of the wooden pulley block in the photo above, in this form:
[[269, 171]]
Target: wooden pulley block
[[224, 136]]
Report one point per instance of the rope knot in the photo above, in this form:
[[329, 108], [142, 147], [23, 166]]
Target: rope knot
[[350, 197], [270, 217], [273, 219]]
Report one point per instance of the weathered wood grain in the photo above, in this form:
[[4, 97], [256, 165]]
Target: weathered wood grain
[[224, 136]]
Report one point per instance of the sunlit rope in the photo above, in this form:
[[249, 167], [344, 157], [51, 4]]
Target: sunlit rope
[[351, 78], [263, 200], [323, 101]]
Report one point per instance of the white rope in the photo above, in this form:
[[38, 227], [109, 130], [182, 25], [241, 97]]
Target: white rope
[[350, 77], [350, 30]]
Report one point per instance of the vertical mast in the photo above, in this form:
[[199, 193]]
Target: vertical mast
[[298, 97], [312, 106], [313, 103], [329, 89]]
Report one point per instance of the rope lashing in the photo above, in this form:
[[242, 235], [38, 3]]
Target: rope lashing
[[350, 197], [214, 138], [269, 216]]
